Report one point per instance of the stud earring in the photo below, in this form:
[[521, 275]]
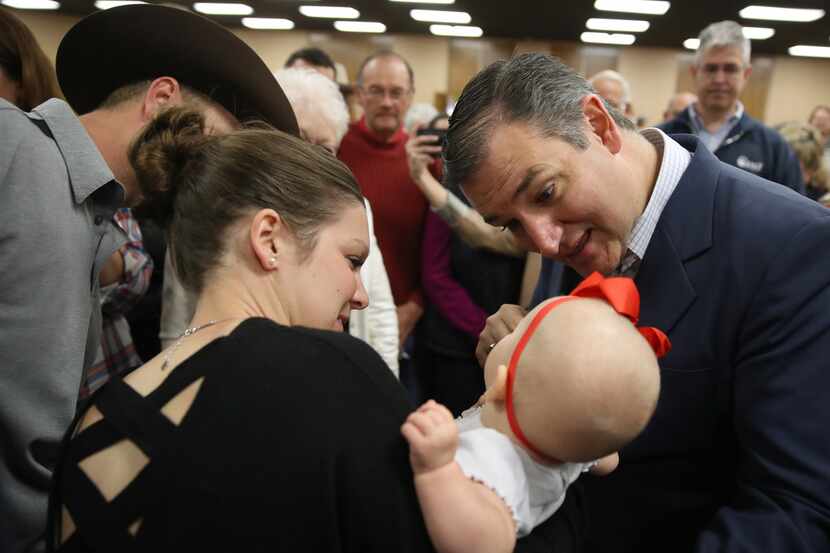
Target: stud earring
[[273, 260]]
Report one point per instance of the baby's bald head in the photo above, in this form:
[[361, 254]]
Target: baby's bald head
[[586, 383]]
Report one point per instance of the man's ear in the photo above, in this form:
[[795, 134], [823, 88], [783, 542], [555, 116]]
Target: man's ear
[[265, 235], [162, 92], [498, 389], [601, 123]]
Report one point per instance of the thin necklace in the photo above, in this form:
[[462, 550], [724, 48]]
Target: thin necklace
[[185, 334]]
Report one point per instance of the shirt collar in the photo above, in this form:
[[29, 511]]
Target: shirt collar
[[88, 172], [675, 160], [399, 137], [697, 121]]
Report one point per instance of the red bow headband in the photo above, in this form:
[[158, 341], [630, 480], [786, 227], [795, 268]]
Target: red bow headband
[[621, 294]]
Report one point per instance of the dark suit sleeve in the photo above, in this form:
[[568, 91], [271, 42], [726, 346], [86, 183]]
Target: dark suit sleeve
[[781, 395]]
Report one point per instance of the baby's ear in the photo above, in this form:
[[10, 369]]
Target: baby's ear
[[498, 389]]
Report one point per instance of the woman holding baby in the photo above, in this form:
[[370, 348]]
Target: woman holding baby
[[264, 427]]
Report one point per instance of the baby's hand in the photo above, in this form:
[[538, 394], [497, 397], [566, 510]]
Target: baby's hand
[[432, 437]]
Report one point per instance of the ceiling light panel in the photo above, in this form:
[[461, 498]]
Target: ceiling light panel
[[441, 16], [272, 23], [650, 7], [216, 8], [456, 30], [331, 12], [619, 39], [107, 4], [772, 13], [810, 51], [624, 25], [758, 33], [360, 26], [32, 4]]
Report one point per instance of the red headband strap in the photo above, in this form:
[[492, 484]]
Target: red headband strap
[[621, 294]]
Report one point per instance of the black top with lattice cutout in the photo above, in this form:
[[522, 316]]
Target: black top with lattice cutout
[[292, 444]]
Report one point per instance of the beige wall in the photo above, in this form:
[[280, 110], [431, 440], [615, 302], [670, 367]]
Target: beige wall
[[48, 28], [652, 74], [795, 85]]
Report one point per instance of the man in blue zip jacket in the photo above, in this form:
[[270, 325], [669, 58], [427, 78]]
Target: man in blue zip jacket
[[721, 70]]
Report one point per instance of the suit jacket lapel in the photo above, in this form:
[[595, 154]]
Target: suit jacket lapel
[[683, 232], [665, 290]]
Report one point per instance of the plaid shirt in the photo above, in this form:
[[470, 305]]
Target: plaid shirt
[[116, 353]]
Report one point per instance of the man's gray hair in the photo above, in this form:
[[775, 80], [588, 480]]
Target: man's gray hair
[[308, 88], [534, 88], [611, 75], [723, 33]]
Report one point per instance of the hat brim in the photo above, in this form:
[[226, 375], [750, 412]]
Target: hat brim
[[129, 44]]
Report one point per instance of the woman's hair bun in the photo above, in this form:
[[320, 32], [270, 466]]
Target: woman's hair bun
[[162, 157]]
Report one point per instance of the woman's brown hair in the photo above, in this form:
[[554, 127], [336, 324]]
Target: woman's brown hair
[[24, 62], [197, 185], [805, 140]]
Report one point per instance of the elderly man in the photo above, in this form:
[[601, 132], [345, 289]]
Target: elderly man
[[736, 457], [614, 88], [677, 104], [374, 149], [61, 179], [721, 71]]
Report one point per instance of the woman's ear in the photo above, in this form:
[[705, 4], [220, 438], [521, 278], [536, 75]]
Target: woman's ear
[[266, 238]]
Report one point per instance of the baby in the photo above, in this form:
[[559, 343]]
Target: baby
[[573, 383]]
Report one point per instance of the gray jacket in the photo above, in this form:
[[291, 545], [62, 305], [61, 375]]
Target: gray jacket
[[57, 199]]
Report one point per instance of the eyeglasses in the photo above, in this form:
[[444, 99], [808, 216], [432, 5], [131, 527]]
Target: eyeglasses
[[378, 93], [729, 69]]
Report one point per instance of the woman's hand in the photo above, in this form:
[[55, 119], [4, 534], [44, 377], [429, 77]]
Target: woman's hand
[[419, 151]]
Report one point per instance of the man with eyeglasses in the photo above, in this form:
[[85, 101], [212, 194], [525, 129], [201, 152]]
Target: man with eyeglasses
[[374, 149], [721, 70]]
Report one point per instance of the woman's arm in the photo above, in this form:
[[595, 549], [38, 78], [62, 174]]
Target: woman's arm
[[448, 296], [460, 217]]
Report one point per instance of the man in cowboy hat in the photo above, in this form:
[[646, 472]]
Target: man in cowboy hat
[[61, 178]]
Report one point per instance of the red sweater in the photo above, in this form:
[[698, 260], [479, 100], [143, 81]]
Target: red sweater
[[398, 206]]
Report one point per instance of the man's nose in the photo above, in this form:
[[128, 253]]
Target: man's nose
[[544, 234]]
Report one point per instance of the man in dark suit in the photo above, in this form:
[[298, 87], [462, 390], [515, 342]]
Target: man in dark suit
[[730, 265]]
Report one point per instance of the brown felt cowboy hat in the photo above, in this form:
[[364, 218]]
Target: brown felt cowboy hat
[[125, 45]]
